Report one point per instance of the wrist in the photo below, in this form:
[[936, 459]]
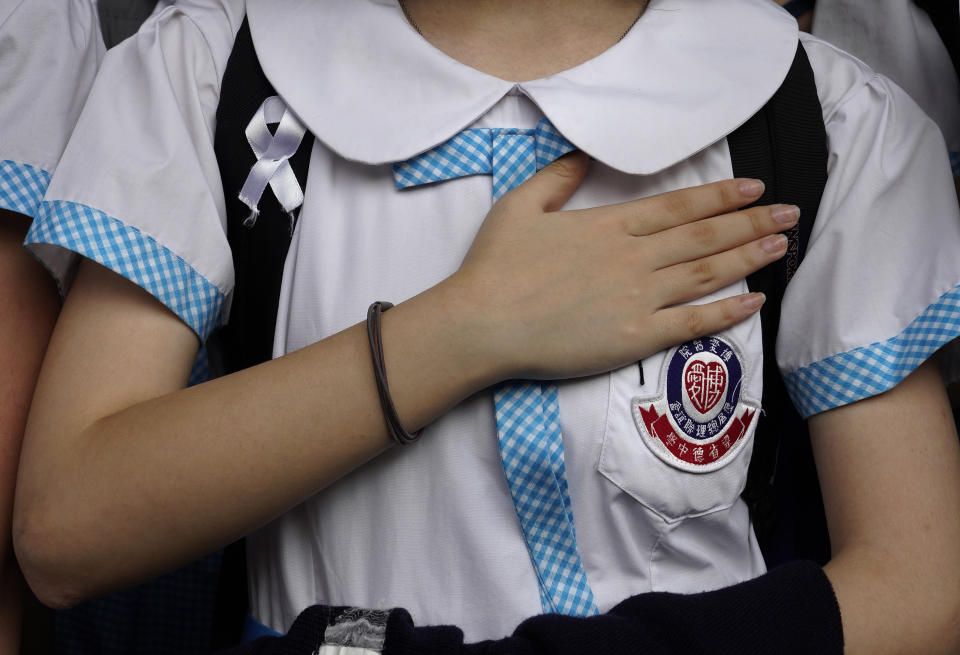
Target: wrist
[[479, 334], [436, 353]]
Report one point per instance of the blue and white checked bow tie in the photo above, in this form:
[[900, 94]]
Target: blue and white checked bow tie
[[528, 413], [511, 156]]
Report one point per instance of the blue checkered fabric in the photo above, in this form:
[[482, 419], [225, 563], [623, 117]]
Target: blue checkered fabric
[[510, 156], [531, 450], [867, 371], [22, 187], [136, 256], [528, 413]]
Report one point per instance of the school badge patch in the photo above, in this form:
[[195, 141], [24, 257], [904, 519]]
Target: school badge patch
[[699, 420]]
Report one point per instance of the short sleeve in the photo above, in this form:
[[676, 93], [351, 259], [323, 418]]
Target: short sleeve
[[876, 293], [138, 188], [49, 53]]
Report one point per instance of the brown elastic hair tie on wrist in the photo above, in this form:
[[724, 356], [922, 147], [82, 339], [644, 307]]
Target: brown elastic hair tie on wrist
[[398, 433]]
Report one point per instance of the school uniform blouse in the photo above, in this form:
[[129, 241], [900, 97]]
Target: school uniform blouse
[[49, 53], [431, 527], [898, 39]]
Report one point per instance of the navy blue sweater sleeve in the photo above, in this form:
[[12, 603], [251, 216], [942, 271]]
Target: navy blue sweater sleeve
[[791, 610]]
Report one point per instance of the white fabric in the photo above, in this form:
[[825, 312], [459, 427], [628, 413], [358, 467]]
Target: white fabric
[[399, 119], [897, 38], [161, 5], [431, 527], [151, 113], [49, 53], [449, 564]]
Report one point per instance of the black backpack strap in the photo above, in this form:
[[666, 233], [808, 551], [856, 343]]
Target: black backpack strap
[[785, 145], [259, 252]]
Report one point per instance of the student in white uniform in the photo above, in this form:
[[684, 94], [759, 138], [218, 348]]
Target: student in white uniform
[[899, 39], [49, 52], [432, 527]]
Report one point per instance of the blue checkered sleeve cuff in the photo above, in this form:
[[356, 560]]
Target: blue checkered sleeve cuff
[[22, 187], [850, 376], [136, 256]]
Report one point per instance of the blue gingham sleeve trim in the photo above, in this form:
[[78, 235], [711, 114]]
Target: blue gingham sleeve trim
[[136, 256], [22, 187], [850, 376]]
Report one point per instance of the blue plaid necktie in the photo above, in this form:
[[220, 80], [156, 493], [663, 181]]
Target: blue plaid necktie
[[528, 413]]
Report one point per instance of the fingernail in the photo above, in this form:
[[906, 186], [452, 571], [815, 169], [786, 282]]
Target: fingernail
[[774, 244], [786, 214], [753, 301], [751, 188]]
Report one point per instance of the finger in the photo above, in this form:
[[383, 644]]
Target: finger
[[713, 235], [667, 210], [678, 324], [551, 188], [695, 279]]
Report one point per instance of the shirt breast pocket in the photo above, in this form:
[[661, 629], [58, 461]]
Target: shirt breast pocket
[[680, 442]]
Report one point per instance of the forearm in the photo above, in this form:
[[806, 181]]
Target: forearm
[[891, 602], [126, 474], [190, 469], [886, 607]]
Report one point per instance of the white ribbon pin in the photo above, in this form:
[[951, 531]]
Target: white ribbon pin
[[273, 152]]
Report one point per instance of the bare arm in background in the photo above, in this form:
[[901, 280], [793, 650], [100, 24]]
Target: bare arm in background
[[889, 469], [28, 310]]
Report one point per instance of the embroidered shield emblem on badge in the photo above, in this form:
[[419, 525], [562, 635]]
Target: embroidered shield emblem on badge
[[699, 420], [704, 383]]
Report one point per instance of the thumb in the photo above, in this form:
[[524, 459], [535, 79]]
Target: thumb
[[552, 187]]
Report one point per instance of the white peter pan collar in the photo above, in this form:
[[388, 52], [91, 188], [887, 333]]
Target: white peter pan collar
[[374, 91]]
